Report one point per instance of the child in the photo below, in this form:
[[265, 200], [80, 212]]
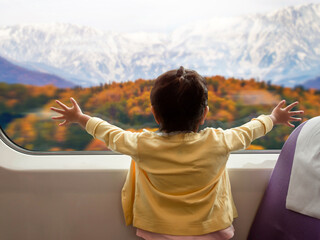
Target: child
[[178, 186]]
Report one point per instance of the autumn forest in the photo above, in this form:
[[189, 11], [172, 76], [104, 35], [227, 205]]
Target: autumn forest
[[25, 112]]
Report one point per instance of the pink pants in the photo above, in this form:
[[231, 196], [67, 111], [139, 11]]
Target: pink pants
[[218, 235]]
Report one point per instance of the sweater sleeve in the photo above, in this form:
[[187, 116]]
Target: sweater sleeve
[[116, 139], [241, 137]]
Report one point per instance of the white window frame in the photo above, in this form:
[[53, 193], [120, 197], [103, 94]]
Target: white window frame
[[14, 157]]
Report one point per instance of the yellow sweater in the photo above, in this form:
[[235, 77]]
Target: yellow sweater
[[178, 184]]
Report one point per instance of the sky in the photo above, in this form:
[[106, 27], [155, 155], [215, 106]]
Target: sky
[[132, 15]]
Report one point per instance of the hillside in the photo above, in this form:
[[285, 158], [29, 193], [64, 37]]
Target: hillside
[[11, 73], [26, 117]]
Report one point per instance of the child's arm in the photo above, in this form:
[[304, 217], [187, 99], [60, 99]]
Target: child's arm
[[115, 138], [71, 115], [241, 137]]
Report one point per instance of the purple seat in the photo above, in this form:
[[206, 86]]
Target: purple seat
[[273, 221]]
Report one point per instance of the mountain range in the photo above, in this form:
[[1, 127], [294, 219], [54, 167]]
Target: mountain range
[[282, 46], [11, 73], [313, 83]]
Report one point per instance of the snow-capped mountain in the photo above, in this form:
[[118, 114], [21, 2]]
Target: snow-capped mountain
[[282, 46]]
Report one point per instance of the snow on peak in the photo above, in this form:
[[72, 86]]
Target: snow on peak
[[280, 46]]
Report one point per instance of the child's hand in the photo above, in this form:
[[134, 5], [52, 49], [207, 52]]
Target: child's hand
[[70, 114], [284, 116]]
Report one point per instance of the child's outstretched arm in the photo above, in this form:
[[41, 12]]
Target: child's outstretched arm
[[70, 114], [241, 137], [115, 138], [284, 116]]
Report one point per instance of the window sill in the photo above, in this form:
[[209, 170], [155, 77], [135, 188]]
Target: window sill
[[14, 160]]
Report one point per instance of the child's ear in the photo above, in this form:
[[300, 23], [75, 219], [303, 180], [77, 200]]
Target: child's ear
[[206, 110], [155, 115]]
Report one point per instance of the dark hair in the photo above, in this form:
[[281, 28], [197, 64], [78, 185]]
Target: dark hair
[[179, 98]]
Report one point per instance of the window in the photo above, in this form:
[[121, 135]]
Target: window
[[252, 57]]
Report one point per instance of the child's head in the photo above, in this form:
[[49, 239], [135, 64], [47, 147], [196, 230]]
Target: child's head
[[179, 99]]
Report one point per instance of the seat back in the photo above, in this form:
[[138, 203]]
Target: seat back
[[273, 221]]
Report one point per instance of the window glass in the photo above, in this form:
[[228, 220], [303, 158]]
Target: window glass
[[106, 53]]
